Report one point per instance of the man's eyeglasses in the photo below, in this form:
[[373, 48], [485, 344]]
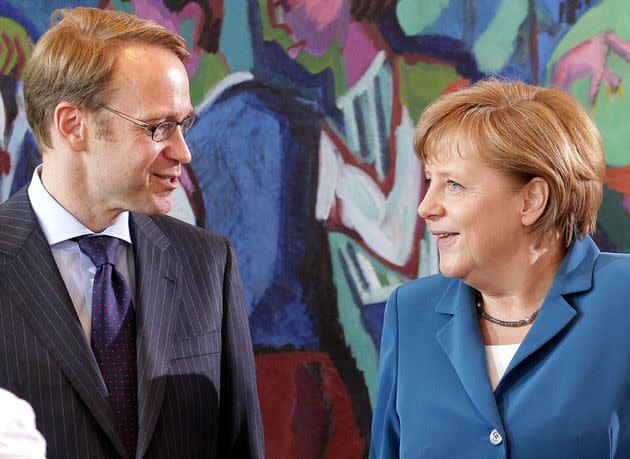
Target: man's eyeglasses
[[160, 131]]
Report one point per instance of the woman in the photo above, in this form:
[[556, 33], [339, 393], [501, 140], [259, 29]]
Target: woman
[[520, 348]]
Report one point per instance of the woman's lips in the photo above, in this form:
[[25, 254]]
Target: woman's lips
[[444, 239]]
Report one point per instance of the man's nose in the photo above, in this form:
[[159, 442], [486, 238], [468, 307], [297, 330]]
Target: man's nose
[[177, 148]]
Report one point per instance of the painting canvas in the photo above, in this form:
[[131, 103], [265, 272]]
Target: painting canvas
[[302, 157]]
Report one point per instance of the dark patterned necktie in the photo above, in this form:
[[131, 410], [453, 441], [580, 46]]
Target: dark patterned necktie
[[114, 335]]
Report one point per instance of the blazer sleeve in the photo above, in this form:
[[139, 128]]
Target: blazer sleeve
[[240, 430], [385, 440]]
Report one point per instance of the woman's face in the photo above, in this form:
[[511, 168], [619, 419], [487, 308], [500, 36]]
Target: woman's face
[[474, 213]]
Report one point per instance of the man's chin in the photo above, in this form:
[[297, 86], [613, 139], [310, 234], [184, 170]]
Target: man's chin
[[157, 206]]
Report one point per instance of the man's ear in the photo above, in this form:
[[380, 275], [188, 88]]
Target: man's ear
[[70, 125], [535, 198]]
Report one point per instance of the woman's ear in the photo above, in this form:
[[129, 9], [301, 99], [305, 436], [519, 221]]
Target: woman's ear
[[70, 126], [535, 198]]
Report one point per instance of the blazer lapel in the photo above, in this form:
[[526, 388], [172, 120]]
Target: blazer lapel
[[574, 275], [31, 276], [158, 290], [460, 339]]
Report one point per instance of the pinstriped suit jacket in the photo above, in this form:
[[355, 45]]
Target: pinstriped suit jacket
[[196, 376]]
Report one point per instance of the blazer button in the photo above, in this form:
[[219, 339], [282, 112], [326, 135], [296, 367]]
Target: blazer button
[[495, 437]]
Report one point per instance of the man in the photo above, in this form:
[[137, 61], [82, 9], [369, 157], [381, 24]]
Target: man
[[124, 329]]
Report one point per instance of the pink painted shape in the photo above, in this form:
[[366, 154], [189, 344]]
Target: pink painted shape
[[155, 10], [318, 23], [358, 51], [588, 59], [626, 203]]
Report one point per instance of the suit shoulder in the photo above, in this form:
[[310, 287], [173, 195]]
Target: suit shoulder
[[425, 288], [612, 269]]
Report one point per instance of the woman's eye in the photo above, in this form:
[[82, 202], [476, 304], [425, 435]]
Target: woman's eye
[[452, 185], [427, 181]]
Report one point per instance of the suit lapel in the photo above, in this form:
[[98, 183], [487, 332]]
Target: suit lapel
[[574, 275], [31, 276], [158, 290], [460, 339]]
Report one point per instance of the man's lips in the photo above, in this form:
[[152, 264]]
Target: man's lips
[[169, 180]]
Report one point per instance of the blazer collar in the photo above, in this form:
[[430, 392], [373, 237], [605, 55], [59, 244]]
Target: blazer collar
[[460, 337], [574, 275]]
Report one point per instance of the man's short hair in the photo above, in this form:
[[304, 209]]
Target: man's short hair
[[75, 59], [524, 131]]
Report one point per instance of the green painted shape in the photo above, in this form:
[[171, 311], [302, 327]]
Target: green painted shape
[[421, 83], [270, 33], [333, 60], [496, 44], [186, 30], [211, 71], [414, 16], [613, 218], [235, 42], [122, 6], [15, 32], [356, 336]]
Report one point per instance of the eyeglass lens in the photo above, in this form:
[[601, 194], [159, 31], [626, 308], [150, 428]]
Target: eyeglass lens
[[165, 129]]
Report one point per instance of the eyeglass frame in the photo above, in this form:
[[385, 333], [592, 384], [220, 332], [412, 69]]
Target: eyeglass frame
[[153, 128]]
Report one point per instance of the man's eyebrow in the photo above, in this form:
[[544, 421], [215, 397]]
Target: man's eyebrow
[[167, 116]]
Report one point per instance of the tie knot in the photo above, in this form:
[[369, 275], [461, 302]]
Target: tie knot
[[102, 250]]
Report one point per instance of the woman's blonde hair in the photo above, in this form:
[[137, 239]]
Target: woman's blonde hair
[[75, 59], [524, 131]]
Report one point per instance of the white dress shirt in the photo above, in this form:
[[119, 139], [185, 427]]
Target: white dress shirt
[[498, 358], [76, 268], [19, 437]]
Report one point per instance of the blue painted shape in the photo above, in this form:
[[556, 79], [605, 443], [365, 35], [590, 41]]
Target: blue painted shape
[[18, 15], [372, 318], [38, 12], [442, 47], [273, 66], [255, 158], [29, 159]]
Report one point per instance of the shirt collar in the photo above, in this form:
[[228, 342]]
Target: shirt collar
[[60, 225]]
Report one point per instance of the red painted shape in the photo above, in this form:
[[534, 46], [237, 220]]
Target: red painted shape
[[309, 424], [618, 179], [457, 85], [291, 384], [5, 162]]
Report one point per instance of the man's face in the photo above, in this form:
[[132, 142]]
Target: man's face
[[126, 169]]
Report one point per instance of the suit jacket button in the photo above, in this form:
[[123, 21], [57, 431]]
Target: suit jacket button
[[495, 437]]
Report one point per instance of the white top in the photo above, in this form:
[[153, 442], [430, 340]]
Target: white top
[[498, 358], [19, 438], [76, 268]]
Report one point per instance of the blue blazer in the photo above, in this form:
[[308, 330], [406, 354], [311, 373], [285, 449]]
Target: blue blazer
[[566, 393]]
